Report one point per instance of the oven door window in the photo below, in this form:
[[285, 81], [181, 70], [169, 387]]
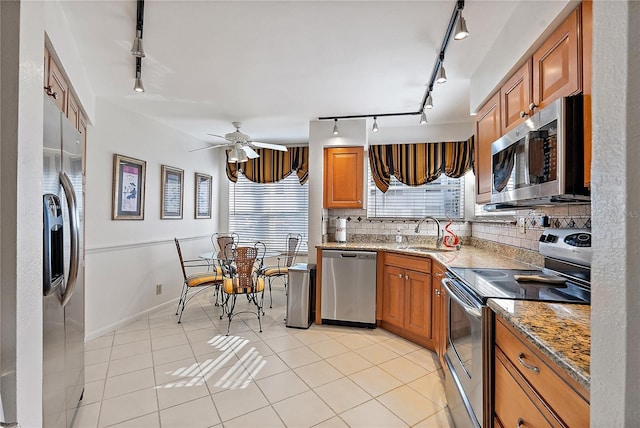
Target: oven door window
[[510, 167], [461, 335]]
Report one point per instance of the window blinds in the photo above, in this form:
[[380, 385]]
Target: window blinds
[[268, 212]]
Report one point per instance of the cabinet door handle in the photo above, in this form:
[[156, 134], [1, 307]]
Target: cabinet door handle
[[359, 201], [49, 91], [406, 277], [400, 275], [437, 292], [532, 106], [533, 368], [524, 114], [439, 275], [520, 422]]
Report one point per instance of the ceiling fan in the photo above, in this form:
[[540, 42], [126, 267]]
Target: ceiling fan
[[242, 145]]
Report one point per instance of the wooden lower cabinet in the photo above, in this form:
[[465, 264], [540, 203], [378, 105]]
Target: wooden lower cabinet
[[406, 300], [530, 390]]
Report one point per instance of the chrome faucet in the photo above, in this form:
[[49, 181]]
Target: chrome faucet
[[440, 237]]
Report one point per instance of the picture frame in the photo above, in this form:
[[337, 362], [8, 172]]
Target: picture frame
[[203, 195], [171, 193], [128, 188]]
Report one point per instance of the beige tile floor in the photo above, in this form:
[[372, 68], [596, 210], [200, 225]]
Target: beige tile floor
[[157, 373]]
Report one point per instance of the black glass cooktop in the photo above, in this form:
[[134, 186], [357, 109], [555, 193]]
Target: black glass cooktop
[[502, 283]]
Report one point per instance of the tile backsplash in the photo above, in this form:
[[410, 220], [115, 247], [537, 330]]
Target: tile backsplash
[[506, 231]]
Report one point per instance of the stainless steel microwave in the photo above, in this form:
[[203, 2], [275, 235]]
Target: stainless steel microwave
[[541, 162]]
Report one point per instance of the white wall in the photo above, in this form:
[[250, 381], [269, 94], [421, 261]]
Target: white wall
[[615, 306], [125, 259]]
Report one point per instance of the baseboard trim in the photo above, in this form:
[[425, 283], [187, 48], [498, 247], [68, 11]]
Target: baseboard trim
[[126, 321]]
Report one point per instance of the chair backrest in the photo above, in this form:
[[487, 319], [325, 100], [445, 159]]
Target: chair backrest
[[261, 249], [221, 243], [184, 272], [291, 248], [245, 258]]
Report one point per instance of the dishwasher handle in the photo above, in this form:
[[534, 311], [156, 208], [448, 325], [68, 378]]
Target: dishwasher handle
[[340, 254]]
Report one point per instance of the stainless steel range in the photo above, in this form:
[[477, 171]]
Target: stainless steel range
[[565, 278]]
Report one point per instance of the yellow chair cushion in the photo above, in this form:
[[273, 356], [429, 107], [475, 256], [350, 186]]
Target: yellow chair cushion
[[203, 278], [273, 271], [230, 286]]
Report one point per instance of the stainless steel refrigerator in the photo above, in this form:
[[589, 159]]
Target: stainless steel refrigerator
[[63, 279]]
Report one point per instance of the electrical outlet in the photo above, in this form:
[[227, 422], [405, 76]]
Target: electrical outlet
[[158, 288], [522, 225]]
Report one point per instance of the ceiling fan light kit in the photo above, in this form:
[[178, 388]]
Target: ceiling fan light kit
[[457, 29]]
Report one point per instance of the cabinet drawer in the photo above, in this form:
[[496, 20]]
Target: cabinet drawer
[[420, 264], [512, 406], [538, 371]]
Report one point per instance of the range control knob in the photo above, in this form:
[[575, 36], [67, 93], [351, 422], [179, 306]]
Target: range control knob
[[578, 240]]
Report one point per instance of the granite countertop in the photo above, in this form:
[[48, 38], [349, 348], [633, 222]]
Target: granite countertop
[[466, 257], [560, 331]]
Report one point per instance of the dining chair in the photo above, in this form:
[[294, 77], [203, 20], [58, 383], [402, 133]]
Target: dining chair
[[243, 281], [220, 242], [200, 279], [285, 261]]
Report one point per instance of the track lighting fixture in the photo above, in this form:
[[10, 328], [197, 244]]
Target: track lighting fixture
[[429, 103], [461, 29], [442, 74], [138, 86], [137, 50], [457, 29]]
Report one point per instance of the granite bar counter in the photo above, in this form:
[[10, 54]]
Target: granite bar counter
[[560, 331]]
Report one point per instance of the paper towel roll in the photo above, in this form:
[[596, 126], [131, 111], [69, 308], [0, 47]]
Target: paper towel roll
[[341, 230]]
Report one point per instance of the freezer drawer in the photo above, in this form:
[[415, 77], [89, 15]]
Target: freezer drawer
[[349, 288]]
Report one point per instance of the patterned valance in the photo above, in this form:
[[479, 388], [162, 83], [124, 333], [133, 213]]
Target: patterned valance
[[420, 163], [272, 165]]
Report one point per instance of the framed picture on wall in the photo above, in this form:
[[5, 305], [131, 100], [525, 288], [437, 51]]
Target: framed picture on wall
[[128, 188], [172, 192], [203, 196]]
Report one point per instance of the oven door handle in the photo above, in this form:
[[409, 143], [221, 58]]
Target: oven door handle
[[453, 293]]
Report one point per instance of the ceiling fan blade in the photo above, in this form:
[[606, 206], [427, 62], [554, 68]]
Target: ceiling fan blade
[[209, 147], [251, 154], [268, 146], [219, 136]]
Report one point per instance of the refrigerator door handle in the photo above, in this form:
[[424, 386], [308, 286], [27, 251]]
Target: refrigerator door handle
[[74, 260]]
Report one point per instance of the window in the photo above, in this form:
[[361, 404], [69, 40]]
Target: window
[[268, 212], [440, 198]]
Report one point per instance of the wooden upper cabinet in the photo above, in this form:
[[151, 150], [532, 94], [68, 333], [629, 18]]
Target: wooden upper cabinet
[[73, 112], [488, 127], [515, 97], [343, 177], [57, 87], [557, 64]]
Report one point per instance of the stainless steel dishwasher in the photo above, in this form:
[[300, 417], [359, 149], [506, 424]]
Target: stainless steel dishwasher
[[349, 288]]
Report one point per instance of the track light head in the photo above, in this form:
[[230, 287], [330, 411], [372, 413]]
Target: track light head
[[461, 29], [429, 103], [137, 50], [423, 118], [442, 74], [375, 125], [335, 127], [138, 86]]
